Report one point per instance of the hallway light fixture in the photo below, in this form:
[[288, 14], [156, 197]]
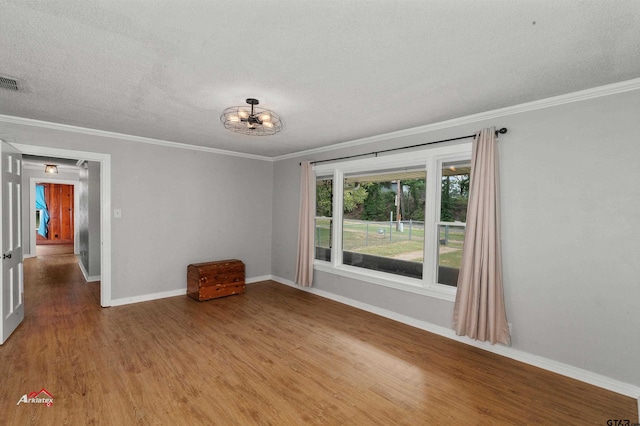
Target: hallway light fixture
[[257, 122], [50, 168]]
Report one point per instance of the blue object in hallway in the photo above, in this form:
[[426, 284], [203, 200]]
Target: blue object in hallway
[[41, 205]]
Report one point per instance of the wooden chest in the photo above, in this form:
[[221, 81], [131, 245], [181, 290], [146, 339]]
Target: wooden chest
[[215, 279]]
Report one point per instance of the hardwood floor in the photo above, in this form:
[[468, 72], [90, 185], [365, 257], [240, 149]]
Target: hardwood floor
[[54, 249], [272, 356]]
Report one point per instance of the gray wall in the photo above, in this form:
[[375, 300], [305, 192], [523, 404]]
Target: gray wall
[[178, 207], [89, 218], [27, 174], [570, 190]]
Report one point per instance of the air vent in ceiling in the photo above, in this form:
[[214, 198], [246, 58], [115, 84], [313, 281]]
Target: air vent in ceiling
[[9, 83]]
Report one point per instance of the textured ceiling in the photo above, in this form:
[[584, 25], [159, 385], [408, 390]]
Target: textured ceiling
[[334, 70]]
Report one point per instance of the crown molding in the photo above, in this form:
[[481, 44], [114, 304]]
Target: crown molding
[[123, 136], [582, 95]]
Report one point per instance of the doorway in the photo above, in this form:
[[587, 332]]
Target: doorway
[[104, 161], [33, 214], [64, 213], [55, 219]]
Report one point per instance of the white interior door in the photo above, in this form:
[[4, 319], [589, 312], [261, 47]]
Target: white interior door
[[12, 295]]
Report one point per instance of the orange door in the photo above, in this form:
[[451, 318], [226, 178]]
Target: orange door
[[59, 199]]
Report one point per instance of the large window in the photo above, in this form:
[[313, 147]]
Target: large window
[[397, 220], [383, 221]]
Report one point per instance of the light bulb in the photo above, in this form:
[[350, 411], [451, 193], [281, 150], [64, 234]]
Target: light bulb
[[243, 114], [265, 117], [267, 124], [234, 118]]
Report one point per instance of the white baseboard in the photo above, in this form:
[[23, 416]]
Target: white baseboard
[[170, 293], [525, 357], [257, 279], [148, 297], [88, 278]]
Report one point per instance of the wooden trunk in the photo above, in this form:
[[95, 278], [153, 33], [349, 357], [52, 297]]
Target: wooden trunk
[[215, 279]]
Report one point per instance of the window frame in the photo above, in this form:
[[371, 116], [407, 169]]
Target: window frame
[[431, 159]]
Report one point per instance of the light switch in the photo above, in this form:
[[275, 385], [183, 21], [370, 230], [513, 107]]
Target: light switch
[[117, 213]]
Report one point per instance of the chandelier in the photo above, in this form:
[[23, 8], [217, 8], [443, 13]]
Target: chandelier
[[256, 122]]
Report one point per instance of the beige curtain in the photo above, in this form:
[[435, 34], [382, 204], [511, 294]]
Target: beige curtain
[[304, 266], [479, 310]]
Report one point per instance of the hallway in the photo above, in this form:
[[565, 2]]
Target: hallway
[[56, 267]]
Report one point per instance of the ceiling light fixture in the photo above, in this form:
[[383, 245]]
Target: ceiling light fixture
[[257, 122], [50, 168]]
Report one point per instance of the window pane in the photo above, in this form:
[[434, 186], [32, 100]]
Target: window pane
[[383, 221], [324, 221], [455, 191], [451, 240], [453, 215]]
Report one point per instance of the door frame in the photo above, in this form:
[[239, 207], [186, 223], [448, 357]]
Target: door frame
[[105, 205], [32, 211]]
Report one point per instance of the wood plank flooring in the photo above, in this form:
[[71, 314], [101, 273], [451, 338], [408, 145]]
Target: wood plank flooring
[[54, 249], [272, 356]]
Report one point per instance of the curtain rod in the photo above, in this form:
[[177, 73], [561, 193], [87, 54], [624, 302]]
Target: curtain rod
[[501, 131]]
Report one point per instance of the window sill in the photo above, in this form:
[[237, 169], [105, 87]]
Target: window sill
[[437, 291]]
